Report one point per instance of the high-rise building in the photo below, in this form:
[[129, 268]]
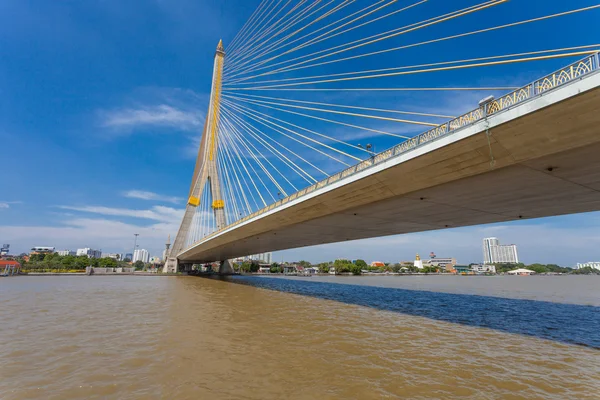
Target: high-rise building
[[141, 255], [496, 253], [91, 253], [129, 256], [4, 249], [591, 264], [261, 257], [67, 253]]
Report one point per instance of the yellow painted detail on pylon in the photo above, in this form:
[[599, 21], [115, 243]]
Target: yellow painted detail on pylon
[[216, 103], [218, 204], [194, 201]]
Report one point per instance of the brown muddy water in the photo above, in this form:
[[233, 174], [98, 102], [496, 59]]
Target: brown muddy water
[[268, 338]]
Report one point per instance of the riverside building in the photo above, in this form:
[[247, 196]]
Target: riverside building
[[496, 253], [91, 253], [591, 264], [141, 255]]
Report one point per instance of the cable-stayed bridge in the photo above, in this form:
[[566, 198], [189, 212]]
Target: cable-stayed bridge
[[288, 151]]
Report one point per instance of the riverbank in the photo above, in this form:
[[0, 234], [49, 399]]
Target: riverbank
[[104, 274]]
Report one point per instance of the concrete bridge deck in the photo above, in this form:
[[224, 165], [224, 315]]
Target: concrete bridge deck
[[540, 158]]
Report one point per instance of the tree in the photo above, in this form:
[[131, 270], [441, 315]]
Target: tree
[[246, 267], [36, 258], [355, 270], [361, 263], [342, 266], [81, 262], [68, 262], [139, 265], [107, 262], [586, 271], [305, 264]]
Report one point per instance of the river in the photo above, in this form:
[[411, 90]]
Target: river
[[429, 337]]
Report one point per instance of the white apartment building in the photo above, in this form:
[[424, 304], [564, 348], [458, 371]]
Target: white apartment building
[[263, 257], [141, 255], [67, 253], [496, 253], [114, 256], [484, 268], [591, 264], [441, 261], [91, 253]]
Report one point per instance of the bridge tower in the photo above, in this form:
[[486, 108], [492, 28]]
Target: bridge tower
[[205, 175]]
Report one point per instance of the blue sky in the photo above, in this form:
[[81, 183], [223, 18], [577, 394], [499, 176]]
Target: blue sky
[[102, 104]]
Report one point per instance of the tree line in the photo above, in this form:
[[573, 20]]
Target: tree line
[[340, 266], [54, 261]]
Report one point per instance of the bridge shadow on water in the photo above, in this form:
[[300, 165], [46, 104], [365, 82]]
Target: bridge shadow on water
[[566, 323]]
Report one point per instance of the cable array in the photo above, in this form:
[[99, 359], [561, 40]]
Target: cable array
[[311, 87]]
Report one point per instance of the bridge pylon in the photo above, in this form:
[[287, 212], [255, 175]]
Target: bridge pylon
[[205, 176]]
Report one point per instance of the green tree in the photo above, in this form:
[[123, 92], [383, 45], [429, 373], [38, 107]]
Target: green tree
[[361, 263], [586, 271], [355, 269], [107, 262], [139, 265], [34, 258], [81, 262], [246, 267], [341, 266], [69, 262]]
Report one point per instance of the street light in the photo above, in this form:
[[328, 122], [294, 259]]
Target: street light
[[368, 147]]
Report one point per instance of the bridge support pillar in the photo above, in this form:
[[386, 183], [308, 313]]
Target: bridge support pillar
[[171, 265], [226, 268]]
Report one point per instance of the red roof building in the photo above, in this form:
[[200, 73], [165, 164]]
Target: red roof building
[[9, 263], [9, 267]]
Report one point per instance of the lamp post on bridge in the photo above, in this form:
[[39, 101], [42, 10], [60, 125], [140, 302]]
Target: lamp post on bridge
[[368, 147]]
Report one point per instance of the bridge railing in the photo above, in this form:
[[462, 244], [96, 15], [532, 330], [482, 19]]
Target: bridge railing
[[567, 74]]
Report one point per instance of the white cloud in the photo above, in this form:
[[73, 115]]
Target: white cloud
[[6, 204], [158, 115], [156, 213], [145, 195]]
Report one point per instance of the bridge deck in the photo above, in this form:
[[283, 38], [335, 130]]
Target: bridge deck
[[546, 162]]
